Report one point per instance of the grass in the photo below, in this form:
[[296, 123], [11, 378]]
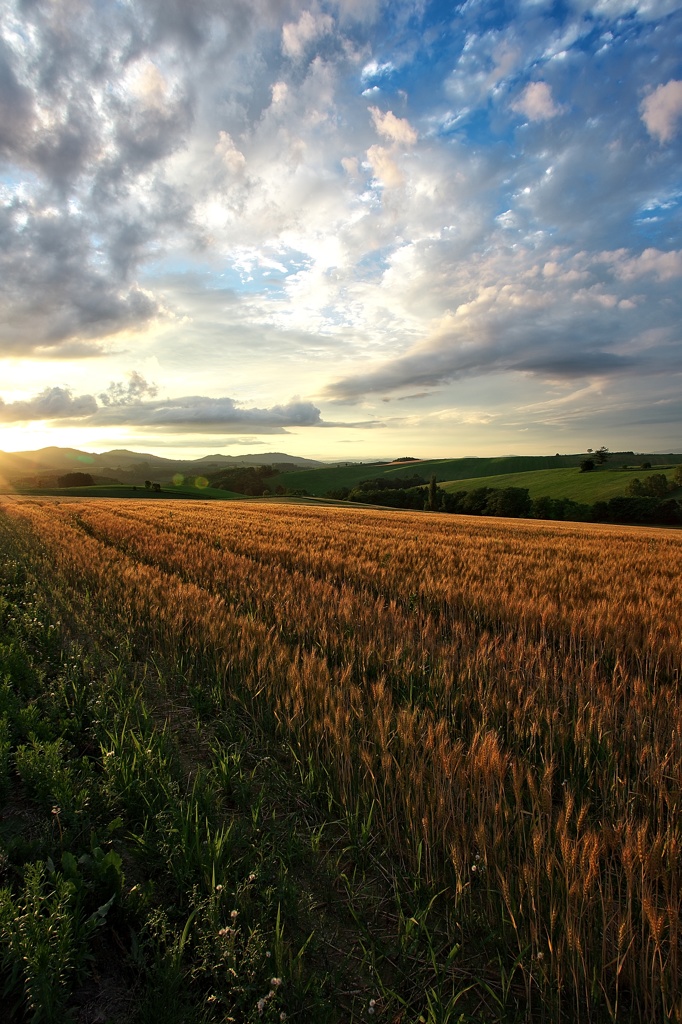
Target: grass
[[161, 895], [599, 485], [318, 481]]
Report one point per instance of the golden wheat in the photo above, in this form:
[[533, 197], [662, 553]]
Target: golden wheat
[[504, 697]]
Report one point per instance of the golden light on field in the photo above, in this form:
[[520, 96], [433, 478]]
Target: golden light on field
[[500, 697]]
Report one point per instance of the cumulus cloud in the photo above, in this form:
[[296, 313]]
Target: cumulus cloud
[[661, 111], [134, 405], [396, 129], [87, 118], [233, 158], [55, 403], [296, 36], [374, 70], [384, 167], [536, 102], [133, 391], [385, 160], [665, 266], [198, 413], [584, 325]]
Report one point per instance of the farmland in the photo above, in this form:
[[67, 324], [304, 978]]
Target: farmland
[[476, 471], [419, 768], [561, 483]]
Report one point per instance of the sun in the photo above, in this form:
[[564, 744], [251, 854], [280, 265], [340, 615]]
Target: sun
[[29, 438], [34, 436]]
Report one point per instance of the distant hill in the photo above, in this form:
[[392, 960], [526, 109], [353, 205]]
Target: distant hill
[[264, 459], [39, 469], [14, 464], [130, 467]]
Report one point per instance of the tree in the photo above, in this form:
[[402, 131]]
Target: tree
[[513, 502], [75, 480], [451, 502], [677, 475], [475, 502], [432, 502], [601, 455], [657, 485], [587, 465], [148, 484]]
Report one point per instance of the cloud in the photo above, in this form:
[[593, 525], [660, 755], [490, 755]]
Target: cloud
[[661, 111], [664, 266], [384, 167], [16, 105], [507, 56], [383, 160], [296, 36], [51, 404], [233, 159], [198, 413], [536, 102], [134, 404], [373, 70], [136, 389], [571, 317], [396, 129], [205, 188]]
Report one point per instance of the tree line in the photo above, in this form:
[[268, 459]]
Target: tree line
[[648, 504]]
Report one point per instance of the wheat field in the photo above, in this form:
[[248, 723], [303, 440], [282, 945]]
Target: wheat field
[[498, 700]]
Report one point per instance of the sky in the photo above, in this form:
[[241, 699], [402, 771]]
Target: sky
[[344, 230]]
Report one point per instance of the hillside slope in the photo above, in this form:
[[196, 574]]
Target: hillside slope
[[600, 485], [319, 482]]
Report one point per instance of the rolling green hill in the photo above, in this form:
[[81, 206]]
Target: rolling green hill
[[600, 485], [319, 481], [477, 472], [554, 476]]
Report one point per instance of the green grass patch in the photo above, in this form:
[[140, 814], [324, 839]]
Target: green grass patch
[[599, 485], [318, 482]]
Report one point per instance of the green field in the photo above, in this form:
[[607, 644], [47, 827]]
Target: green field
[[599, 485], [475, 472], [554, 476]]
